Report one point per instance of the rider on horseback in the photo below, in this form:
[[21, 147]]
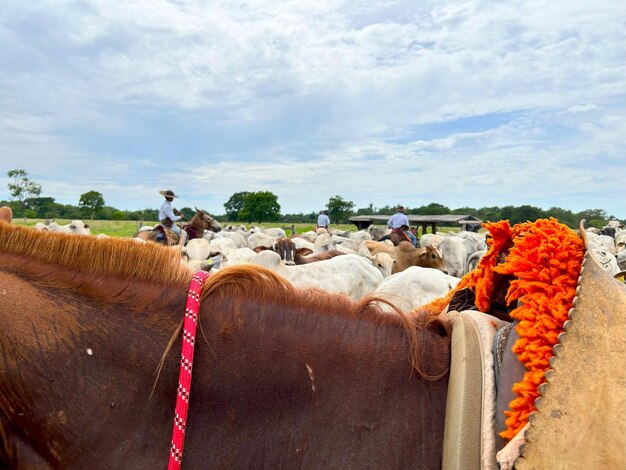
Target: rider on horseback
[[399, 223], [167, 214]]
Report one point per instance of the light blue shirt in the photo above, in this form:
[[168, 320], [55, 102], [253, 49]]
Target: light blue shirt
[[397, 220], [323, 220], [167, 211]]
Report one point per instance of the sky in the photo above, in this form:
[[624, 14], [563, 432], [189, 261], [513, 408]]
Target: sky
[[463, 103]]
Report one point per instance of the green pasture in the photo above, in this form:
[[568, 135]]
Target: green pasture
[[127, 228], [113, 228]]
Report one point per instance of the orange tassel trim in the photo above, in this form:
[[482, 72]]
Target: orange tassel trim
[[545, 259]]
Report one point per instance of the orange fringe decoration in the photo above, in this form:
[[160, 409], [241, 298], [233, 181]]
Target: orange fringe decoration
[[480, 281], [545, 259]]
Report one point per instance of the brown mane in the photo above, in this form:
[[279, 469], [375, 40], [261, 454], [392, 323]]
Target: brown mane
[[85, 254], [263, 286]]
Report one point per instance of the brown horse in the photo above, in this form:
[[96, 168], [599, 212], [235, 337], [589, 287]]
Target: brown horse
[[396, 236], [282, 377], [200, 222]]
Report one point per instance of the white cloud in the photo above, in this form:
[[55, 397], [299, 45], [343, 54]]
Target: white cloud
[[582, 108], [317, 98]]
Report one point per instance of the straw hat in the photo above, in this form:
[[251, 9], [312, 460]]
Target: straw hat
[[167, 193]]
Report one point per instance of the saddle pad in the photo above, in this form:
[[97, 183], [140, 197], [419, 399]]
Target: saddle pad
[[469, 430]]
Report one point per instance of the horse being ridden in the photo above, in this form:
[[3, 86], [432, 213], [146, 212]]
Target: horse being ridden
[[195, 228], [290, 378], [396, 236]]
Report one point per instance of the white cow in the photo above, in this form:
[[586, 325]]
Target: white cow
[[616, 224], [360, 235], [431, 239], [258, 239], [309, 235], [474, 259], [234, 228], [384, 263], [42, 227], [239, 237], [323, 242], [275, 232], [454, 255], [196, 253], [238, 256], [378, 231], [415, 286], [222, 245], [348, 274], [621, 260], [346, 242], [620, 241], [473, 241], [302, 242], [77, 227], [197, 249], [606, 259], [595, 240]]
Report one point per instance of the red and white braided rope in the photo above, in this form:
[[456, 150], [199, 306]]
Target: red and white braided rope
[[184, 381]]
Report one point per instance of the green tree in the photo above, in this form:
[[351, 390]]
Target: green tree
[[22, 188], [235, 205], [433, 208], [339, 210], [594, 217], [259, 206], [526, 213], [91, 202], [565, 216], [366, 210], [44, 207], [188, 212], [490, 214], [464, 211]]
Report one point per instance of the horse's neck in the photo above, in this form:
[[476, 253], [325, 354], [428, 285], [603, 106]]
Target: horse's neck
[[197, 223], [72, 353], [276, 371]]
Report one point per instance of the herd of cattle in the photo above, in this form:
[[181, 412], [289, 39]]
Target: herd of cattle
[[356, 263]]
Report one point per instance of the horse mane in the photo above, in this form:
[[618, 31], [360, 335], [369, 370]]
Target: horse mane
[[117, 257], [262, 285]]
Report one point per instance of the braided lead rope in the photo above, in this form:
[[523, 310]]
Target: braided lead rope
[[184, 379]]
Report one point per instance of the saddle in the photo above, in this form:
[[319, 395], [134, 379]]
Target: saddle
[[571, 427], [470, 439], [402, 233], [164, 235]]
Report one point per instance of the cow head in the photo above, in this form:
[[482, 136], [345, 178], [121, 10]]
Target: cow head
[[431, 257], [6, 214], [286, 248]]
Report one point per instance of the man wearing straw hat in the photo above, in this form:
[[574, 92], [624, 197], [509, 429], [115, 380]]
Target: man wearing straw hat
[[399, 223], [167, 214]]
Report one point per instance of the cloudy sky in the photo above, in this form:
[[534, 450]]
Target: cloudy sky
[[465, 103]]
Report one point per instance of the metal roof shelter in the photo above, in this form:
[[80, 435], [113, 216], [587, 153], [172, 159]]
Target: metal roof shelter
[[467, 222]]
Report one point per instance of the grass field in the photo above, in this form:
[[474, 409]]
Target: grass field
[[127, 228]]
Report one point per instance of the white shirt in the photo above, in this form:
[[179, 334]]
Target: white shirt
[[167, 211], [397, 220], [323, 220]]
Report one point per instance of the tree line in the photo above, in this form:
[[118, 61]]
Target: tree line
[[263, 206]]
